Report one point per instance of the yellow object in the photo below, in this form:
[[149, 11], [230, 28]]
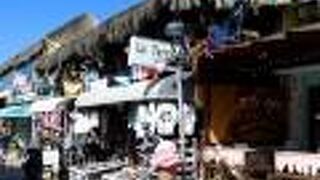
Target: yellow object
[[72, 89]]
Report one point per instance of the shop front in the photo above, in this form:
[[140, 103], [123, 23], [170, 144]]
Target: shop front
[[51, 133], [15, 133], [143, 114]]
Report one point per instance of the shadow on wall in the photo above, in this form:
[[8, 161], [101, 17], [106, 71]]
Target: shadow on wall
[[245, 115]]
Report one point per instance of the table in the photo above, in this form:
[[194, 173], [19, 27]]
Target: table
[[93, 170]]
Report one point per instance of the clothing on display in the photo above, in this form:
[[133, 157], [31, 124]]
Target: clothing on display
[[51, 120], [72, 88], [162, 118], [166, 119], [189, 117]]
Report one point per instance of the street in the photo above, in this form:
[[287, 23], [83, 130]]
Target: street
[[11, 174]]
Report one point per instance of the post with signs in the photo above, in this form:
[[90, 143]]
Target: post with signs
[[148, 52], [175, 30]]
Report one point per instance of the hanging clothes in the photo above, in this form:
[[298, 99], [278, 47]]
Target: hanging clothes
[[228, 29], [166, 119], [51, 120]]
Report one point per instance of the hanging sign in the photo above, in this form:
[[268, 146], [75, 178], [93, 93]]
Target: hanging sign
[[149, 52]]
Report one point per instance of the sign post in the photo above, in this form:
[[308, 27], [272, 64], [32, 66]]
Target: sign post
[[148, 52]]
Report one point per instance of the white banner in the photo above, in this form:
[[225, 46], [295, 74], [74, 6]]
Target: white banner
[[149, 52]]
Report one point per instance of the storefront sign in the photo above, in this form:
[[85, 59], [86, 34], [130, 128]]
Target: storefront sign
[[149, 52]]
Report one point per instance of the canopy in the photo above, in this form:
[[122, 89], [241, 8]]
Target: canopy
[[18, 111], [48, 104], [113, 95], [166, 88]]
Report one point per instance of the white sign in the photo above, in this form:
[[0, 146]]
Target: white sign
[[148, 52]]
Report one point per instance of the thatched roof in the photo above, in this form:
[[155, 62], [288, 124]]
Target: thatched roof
[[20, 58], [118, 28], [61, 35]]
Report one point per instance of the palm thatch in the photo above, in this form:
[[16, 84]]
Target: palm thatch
[[114, 30], [117, 29], [181, 5], [20, 58], [144, 18], [62, 35]]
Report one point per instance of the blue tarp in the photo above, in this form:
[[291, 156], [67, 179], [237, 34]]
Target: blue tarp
[[19, 111]]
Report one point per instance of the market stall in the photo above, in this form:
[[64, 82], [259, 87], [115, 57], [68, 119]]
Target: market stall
[[15, 132], [51, 127], [143, 112]]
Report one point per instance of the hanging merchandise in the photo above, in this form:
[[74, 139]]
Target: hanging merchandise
[[271, 2], [228, 29], [90, 77], [189, 116], [141, 72], [166, 119], [72, 88], [83, 123], [51, 120], [146, 115], [165, 156], [21, 84], [162, 119]]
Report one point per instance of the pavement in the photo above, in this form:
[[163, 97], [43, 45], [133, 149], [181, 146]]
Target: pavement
[[11, 174]]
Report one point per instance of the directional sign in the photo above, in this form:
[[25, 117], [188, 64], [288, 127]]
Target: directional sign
[[148, 52]]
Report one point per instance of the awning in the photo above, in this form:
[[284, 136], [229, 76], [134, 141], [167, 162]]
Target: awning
[[19, 111], [49, 104], [166, 88], [114, 95]]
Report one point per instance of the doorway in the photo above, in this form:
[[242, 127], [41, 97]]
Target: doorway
[[313, 125]]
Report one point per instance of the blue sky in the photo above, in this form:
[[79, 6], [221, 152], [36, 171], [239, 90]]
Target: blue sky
[[26, 21]]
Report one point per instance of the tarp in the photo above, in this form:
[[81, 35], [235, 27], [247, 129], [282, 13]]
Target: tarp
[[19, 111], [47, 105]]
